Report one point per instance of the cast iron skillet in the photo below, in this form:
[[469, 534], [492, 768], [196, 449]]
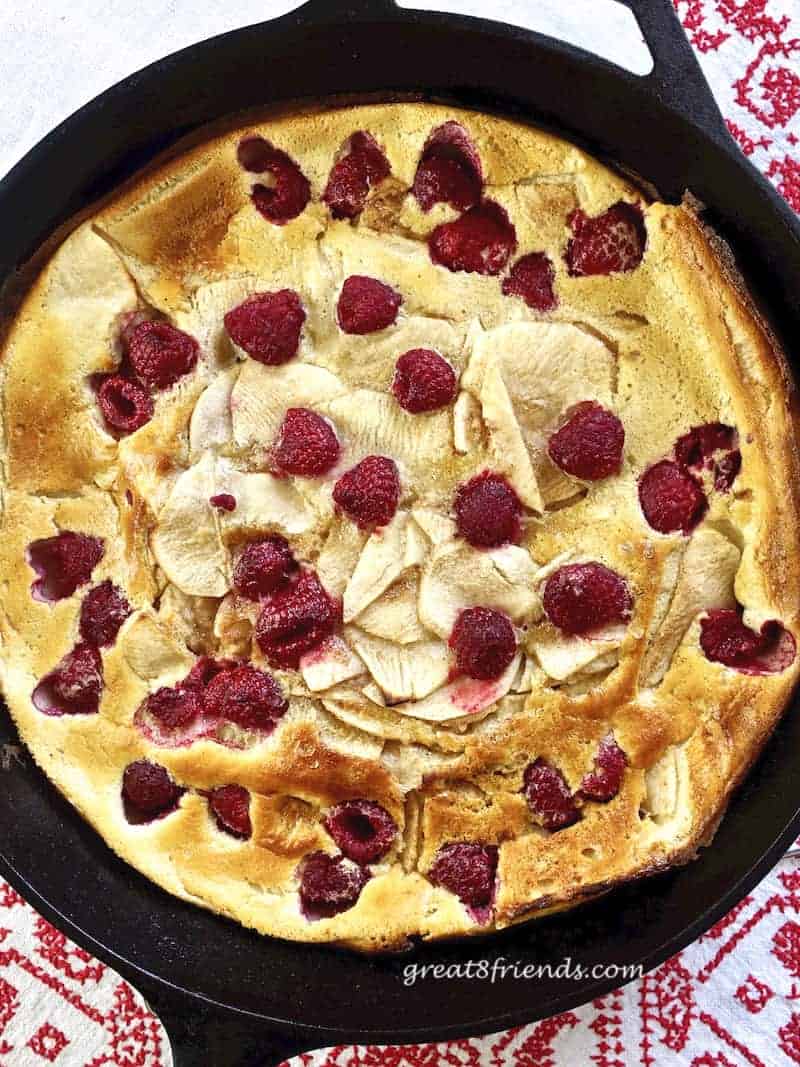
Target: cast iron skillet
[[227, 995]]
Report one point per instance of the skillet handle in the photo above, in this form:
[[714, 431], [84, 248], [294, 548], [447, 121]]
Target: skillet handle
[[677, 78], [206, 1035]]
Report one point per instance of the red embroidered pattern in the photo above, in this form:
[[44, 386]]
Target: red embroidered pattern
[[729, 1000], [750, 53]]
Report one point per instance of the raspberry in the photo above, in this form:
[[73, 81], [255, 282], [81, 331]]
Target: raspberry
[[125, 405], [725, 470], [366, 305], [375, 163], [582, 597], [103, 611], [481, 241], [255, 154], [223, 501], [204, 671], [329, 885], [294, 620], [231, 807], [247, 697], [532, 277], [369, 492], [589, 444], [484, 642], [363, 830], [449, 170], [287, 197], [548, 796], [468, 870], [713, 446], [175, 708], [306, 444], [609, 765], [148, 792], [611, 242], [74, 686], [62, 563], [160, 354], [698, 446], [488, 511], [353, 175], [267, 326], [725, 639], [128, 322], [262, 567], [671, 498], [423, 381]]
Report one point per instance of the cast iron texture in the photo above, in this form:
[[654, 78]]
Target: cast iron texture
[[228, 996]]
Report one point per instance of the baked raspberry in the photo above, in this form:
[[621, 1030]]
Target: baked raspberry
[[62, 563], [532, 277], [148, 792], [352, 176], [175, 708], [306, 444], [254, 154], [127, 323], [589, 444], [160, 354], [363, 830], [609, 765], [713, 447], [329, 885], [223, 501], [467, 869], [488, 511], [449, 171], [725, 639], [289, 192], [103, 611], [369, 492], [484, 642], [294, 620], [247, 697], [548, 796], [262, 567], [671, 498], [366, 305], [726, 469], [267, 326], [697, 447], [74, 686], [125, 405], [231, 807], [423, 381], [608, 243], [581, 597], [481, 241], [205, 670]]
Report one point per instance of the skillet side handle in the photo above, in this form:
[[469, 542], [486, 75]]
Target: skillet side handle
[[677, 78], [205, 1035], [343, 11]]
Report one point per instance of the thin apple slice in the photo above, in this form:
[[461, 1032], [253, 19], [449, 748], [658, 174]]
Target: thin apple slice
[[465, 698]]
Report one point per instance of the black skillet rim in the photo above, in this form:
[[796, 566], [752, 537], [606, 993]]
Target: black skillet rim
[[687, 933]]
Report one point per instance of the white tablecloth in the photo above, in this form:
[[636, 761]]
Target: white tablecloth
[[732, 999]]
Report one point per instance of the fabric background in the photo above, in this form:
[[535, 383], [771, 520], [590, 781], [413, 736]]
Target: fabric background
[[732, 999]]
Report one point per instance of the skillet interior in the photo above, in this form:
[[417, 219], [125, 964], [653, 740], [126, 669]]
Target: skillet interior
[[357, 48]]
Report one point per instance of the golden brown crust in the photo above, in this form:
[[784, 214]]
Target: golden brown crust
[[673, 344]]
